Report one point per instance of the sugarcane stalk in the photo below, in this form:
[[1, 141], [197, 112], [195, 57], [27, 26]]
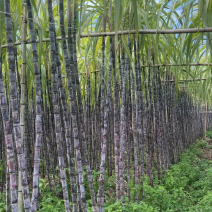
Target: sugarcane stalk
[[73, 108], [39, 110], [15, 115], [205, 126], [22, 111], [125, 67], [9, 146], [54, 60], [104, 127]]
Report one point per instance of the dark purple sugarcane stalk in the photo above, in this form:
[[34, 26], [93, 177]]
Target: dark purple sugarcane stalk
[[18, 84], [45, 149], [8, 209], [13, 138], [166, 90], [109, 97], [87, 118], [145, 118], [73, 105], [104, 128], [160, 124], [169, 124], [128, 137], [67, 135], [125, 67], [65, 114], [156, 116], [174, 124], [149, 145], [38, 122], [45, 132], [140, 118], [165, 128], [54, 61], [52, 166], [135, 137], [3, 151], [140, 113], [15, 115], [9, 145], [76, 87], [137, 118], [116, 127], [75, 76], [1, 137], [109, 124], [27, 149]]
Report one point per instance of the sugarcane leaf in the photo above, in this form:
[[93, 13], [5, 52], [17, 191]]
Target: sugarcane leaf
[[34, 6], [159, 14], [134, 4], [40, 36], [117, 14], [187, 3], [1, 23], [127, 50]]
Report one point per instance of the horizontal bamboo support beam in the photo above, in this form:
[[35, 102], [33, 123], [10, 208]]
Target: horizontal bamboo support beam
[[127, 32], [29, 42], [187, 80], [184, 80], [184, 64], [166, 65], [149, 31], [206, 112]]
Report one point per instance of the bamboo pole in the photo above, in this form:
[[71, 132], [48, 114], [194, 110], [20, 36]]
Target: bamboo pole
[[183, 64], [127, 32], [181, 80], [186, 80], [149, 31], [168, 65]]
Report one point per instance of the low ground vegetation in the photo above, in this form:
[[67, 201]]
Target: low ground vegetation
[[187, 186]]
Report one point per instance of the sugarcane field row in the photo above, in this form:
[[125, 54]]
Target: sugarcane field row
[[98, 123]]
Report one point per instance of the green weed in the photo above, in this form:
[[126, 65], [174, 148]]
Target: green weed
[[187, 186]]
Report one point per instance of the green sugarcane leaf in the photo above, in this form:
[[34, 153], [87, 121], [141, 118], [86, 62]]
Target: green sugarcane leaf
[[117, 15], [34, 6], [134, 4], [1, 23], [40, 36], [127, 49]]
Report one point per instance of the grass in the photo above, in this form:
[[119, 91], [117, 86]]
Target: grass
[[187, 186]]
